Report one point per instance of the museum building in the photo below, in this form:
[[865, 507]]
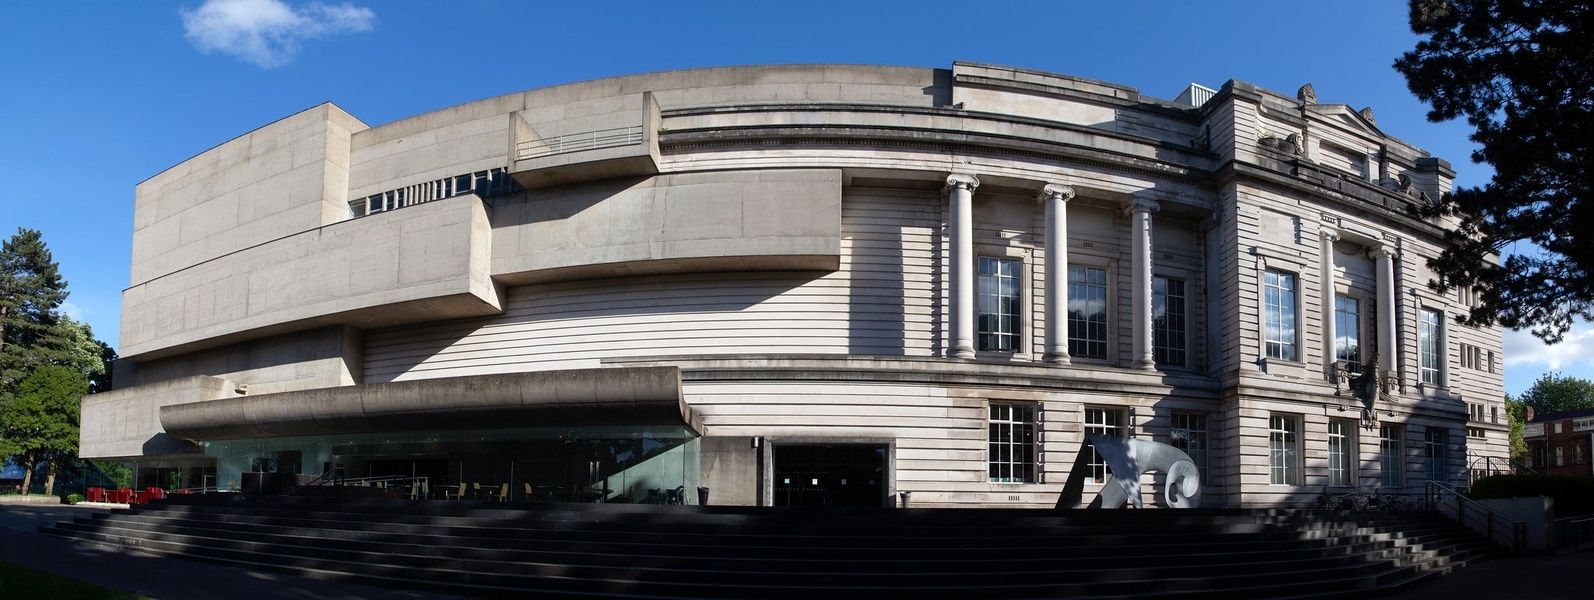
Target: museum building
[[792, 285]]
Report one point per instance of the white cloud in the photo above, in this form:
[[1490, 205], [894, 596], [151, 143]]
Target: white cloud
[[1576, 349], [268, 33], [73, 311]]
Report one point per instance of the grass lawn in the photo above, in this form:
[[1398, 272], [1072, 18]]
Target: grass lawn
[[17, 581]]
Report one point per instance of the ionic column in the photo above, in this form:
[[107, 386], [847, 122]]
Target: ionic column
[[1140, 212], [960, 216], [1330, 331], [1056, 198], [1386, 307]]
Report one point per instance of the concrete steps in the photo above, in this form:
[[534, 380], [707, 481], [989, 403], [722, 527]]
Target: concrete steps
[[724, 552]]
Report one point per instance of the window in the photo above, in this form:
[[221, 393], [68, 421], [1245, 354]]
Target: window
[[1434, 453], [999, 304], [1087, 312], [1348, 332], [1102, 421], [1278, 320], [1560, 456], [1494, 415], [1012, 442], [1578, 455], [1189, 433], [1429, 338], [1391, 456], [1476, 432], [1342, 453], [1284, 456], [1491, 361], [1167, 321]]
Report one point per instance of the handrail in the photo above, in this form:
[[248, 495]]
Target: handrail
[[575, 142], [1511, 465], [334, 474], [1516, 532], [1573, 531]]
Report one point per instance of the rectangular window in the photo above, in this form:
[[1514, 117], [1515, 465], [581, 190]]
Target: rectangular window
[[999, 304], [1102, 421], [1491, 361], [1189, 433], [1012, 442], [1391, 455], [1348, 333], [1560, 456], [1342, 455], [1430, 335], [1284, 450], [1278, 320], [1087, 312], [1434, 453], [1167, 321]]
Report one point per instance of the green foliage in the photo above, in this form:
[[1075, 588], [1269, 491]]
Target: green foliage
[[31, 292], [1516, 416], [1554, 393], [118, 473], [1521, 73], [1573, 496], [42, 417], [74, 498]]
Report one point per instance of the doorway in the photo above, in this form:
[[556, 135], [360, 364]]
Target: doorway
[[830, 475]]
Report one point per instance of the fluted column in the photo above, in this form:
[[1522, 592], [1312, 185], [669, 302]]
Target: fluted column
[[1140, 229], [1330, 328], [960, 216], [1056, 198], [1386, 307]]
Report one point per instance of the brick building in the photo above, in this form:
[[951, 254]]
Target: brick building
[[1559, 442]]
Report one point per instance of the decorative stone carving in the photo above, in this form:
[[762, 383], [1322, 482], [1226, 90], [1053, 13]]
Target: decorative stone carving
[[1055, 190], [1367, 113], [1307, 95], [1127, 460], [1290, 144], [1135, 205], [962, 181]]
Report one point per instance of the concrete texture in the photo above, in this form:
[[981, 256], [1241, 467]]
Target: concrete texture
[[425, 262], [630, 396], [726, 464], [125, 422], [765, 219], [156, 576]]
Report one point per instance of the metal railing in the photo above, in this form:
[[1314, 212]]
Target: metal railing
[[1575, 533], [333, 476], [1452, 501], [1491, 465], [577, 142]]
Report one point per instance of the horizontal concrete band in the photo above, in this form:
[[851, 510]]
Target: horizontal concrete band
[[576, 397]]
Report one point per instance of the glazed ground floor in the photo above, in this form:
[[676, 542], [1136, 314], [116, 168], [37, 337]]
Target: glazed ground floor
[[985, 436]]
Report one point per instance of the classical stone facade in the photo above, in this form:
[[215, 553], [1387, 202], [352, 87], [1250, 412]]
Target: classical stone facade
[[803, 284]]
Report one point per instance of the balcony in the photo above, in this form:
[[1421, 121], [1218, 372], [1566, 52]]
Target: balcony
[[617, 137]]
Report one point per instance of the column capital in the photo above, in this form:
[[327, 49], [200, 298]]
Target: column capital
[[962, 181], [1382, 251], [1055, 191], [1145, 205], [1329, 235]]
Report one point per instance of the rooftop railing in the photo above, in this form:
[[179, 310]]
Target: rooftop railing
[[578, 142]]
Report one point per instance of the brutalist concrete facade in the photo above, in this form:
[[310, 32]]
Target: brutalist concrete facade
[[847, 257]]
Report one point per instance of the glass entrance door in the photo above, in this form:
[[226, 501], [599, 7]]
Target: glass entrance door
[[830, 475]]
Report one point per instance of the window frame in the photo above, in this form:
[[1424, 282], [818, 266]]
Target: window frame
[[1284, 449], [1431, 347], [1162, 354], [1197, 439], [1391, 452], [1353, 364], [1436, 454], [1077, 351], [1269, 322], [1020, 303], [1348, 450], [1027, 465], [1105, 427]]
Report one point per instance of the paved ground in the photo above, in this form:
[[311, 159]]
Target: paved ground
[[1532, 577], [157, 577], [1538, 578]]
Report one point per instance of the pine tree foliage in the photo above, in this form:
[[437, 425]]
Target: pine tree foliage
[[1522, 74]]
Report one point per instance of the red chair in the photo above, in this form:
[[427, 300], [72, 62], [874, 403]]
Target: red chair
[[123, 496], [154, 493], [96, 494]]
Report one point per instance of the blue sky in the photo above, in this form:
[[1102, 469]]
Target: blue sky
[[101, 95]]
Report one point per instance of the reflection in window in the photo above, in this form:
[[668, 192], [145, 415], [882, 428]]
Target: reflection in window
[[1087, 312]]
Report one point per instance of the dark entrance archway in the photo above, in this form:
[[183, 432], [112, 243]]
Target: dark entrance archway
[[830, 475]]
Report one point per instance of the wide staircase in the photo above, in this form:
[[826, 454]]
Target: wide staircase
[[647, 551]]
